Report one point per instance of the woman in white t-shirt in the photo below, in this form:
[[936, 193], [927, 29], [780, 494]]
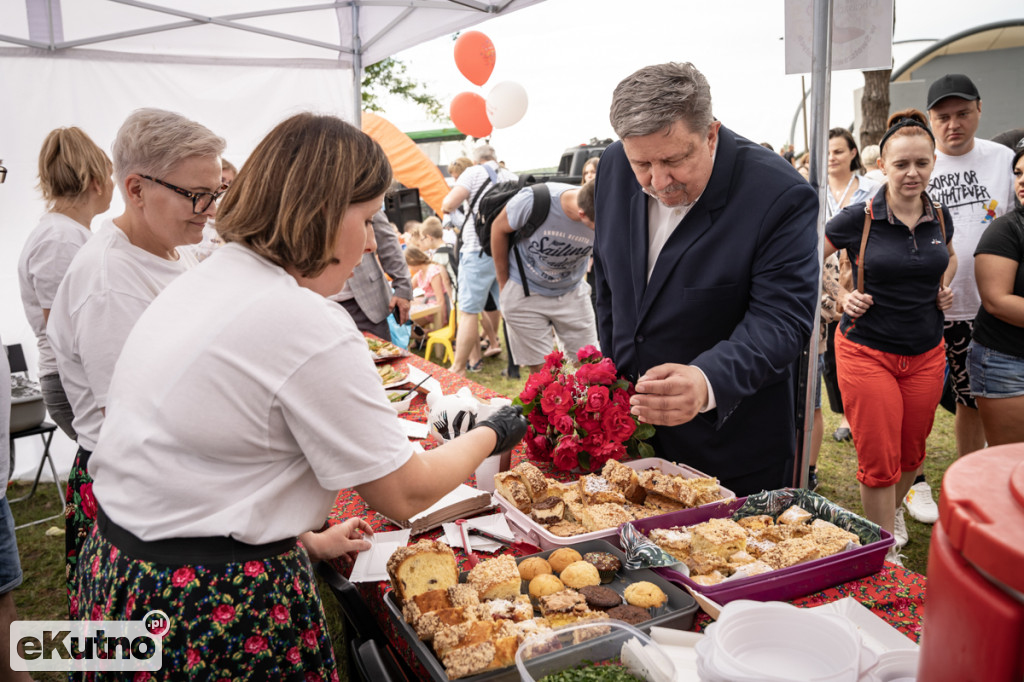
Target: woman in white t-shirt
[[242, 402], [168, 170], [74, 177]]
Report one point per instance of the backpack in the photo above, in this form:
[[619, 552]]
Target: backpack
[[492, 197]]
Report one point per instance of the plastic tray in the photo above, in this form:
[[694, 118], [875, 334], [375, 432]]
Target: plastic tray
[[526, 528], [678, 612], [781, 585]]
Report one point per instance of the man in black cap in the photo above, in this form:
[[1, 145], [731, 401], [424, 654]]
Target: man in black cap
[[972, 178]]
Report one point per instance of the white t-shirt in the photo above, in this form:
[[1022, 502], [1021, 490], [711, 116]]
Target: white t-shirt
[[473, 179], [106, 288], [45, 258], [977, 188], [241, 404]]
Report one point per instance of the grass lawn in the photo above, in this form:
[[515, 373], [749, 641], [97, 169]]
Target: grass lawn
[[42, 595]]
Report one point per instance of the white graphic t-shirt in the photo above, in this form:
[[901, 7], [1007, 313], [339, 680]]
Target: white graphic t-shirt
[[977, 188]]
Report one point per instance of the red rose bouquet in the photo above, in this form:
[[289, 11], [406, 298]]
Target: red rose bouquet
[[581, 419]]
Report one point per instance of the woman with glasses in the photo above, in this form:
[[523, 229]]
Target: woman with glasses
[[74, 177], [169, 173], [243, 401]]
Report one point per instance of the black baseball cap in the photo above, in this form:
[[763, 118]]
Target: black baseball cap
[[952, 85]]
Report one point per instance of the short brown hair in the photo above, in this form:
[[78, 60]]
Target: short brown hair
[[68, 163], [585, 199], [414, 256], [290, 197], [458, 166]]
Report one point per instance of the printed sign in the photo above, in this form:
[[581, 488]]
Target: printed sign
[[861, 35]]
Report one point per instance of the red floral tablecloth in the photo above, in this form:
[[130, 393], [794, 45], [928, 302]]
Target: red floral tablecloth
[[894, 594]]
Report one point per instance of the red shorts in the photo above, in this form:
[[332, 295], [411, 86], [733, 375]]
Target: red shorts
[[890, 401]]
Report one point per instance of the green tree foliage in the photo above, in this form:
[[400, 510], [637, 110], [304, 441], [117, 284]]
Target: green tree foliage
[[387, 77]]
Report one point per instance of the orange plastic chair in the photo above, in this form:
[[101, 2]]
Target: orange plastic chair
[[444, 338]]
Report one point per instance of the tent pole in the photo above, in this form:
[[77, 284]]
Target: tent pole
[[821, 86], [357, 70]]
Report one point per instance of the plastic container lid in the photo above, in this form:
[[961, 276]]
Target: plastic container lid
[[982, 512], [752, 641], [584, 644]]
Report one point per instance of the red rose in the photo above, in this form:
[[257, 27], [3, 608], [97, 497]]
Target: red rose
[[279, 613], [183, 576], [563, 423], [619, 424], [538, 449], [588, 353], [255, 644], [566, 454], [597, 398], [224, 613], [129, 606], [554, 360], [620, 397], [88, 501], [253, 568], [538, 421], [192, 658], [556, 398], [602, 372], [309, 638], [293, 655], [534, 385]]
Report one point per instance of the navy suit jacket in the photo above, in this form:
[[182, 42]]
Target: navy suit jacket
[[733, 292]]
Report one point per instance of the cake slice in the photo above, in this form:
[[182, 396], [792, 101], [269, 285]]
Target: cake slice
[[596, 489], [625, 479], [720, 537], [496, 578], [422, 567], [511, 487], [535, 481]]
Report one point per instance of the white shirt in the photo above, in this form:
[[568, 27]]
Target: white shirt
[[473, 179], [662, 221], [241, 404], [45, 258], [977, 188], [106, 288]]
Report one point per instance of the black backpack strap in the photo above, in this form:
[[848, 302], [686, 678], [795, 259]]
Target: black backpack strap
[[538, 214]]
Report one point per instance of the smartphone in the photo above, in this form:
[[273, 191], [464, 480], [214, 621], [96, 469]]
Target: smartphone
[[397, 316]]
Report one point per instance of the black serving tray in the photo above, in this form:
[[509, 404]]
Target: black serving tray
[[678, 613]]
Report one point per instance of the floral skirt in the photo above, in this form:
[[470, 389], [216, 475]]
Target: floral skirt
[[79, 519], [252, 620]]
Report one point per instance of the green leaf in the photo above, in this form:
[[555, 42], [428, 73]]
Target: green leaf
[[584, 459], [643, 431], [528, 408], [645, 449]]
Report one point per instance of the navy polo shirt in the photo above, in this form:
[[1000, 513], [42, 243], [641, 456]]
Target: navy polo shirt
[[903, 269]]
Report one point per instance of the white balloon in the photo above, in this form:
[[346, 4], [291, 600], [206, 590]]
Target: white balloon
[[506, 104]]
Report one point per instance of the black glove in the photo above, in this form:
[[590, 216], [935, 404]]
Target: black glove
[[509, 425]]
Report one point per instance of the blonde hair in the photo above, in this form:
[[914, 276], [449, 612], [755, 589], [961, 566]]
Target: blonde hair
[[414, 256], [459, 166], [69, 162], [288, 201], [432, 228], [153, 141]]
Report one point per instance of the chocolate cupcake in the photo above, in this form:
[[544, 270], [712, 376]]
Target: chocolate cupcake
[[600, 598], [634, 615], [607, 564]]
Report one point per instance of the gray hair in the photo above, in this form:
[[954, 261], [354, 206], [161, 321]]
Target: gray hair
[[153, 141], [657, 96], [869, 156], [484, 152]]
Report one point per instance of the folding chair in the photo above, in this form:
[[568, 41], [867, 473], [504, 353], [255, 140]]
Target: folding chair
[[45, 430]]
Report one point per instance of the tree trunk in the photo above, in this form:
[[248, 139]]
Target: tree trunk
[[874, 106]]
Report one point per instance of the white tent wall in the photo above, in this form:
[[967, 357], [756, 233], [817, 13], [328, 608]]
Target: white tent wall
[[96, 92]]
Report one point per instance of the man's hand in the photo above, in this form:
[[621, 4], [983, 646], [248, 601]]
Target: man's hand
[[404, 305], [669, 395], [944, 299]]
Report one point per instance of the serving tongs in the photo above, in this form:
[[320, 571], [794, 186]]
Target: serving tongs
[[518, 546]]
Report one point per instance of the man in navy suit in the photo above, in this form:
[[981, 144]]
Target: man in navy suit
[[707, 279]]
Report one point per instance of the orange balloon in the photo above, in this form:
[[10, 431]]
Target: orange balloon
[[469, 114], [474, 55]]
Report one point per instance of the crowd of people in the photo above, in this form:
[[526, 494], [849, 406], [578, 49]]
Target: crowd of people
[[198, 346]]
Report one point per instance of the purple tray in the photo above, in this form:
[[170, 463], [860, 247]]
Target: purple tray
[[781, 585]]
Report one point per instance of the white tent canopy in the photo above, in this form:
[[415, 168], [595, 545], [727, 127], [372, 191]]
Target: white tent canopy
[[89, 63]]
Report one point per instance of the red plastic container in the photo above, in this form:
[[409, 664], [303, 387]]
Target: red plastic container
[[781, 585], [974, 615]]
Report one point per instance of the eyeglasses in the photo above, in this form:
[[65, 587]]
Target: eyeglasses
[[200, 200]]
